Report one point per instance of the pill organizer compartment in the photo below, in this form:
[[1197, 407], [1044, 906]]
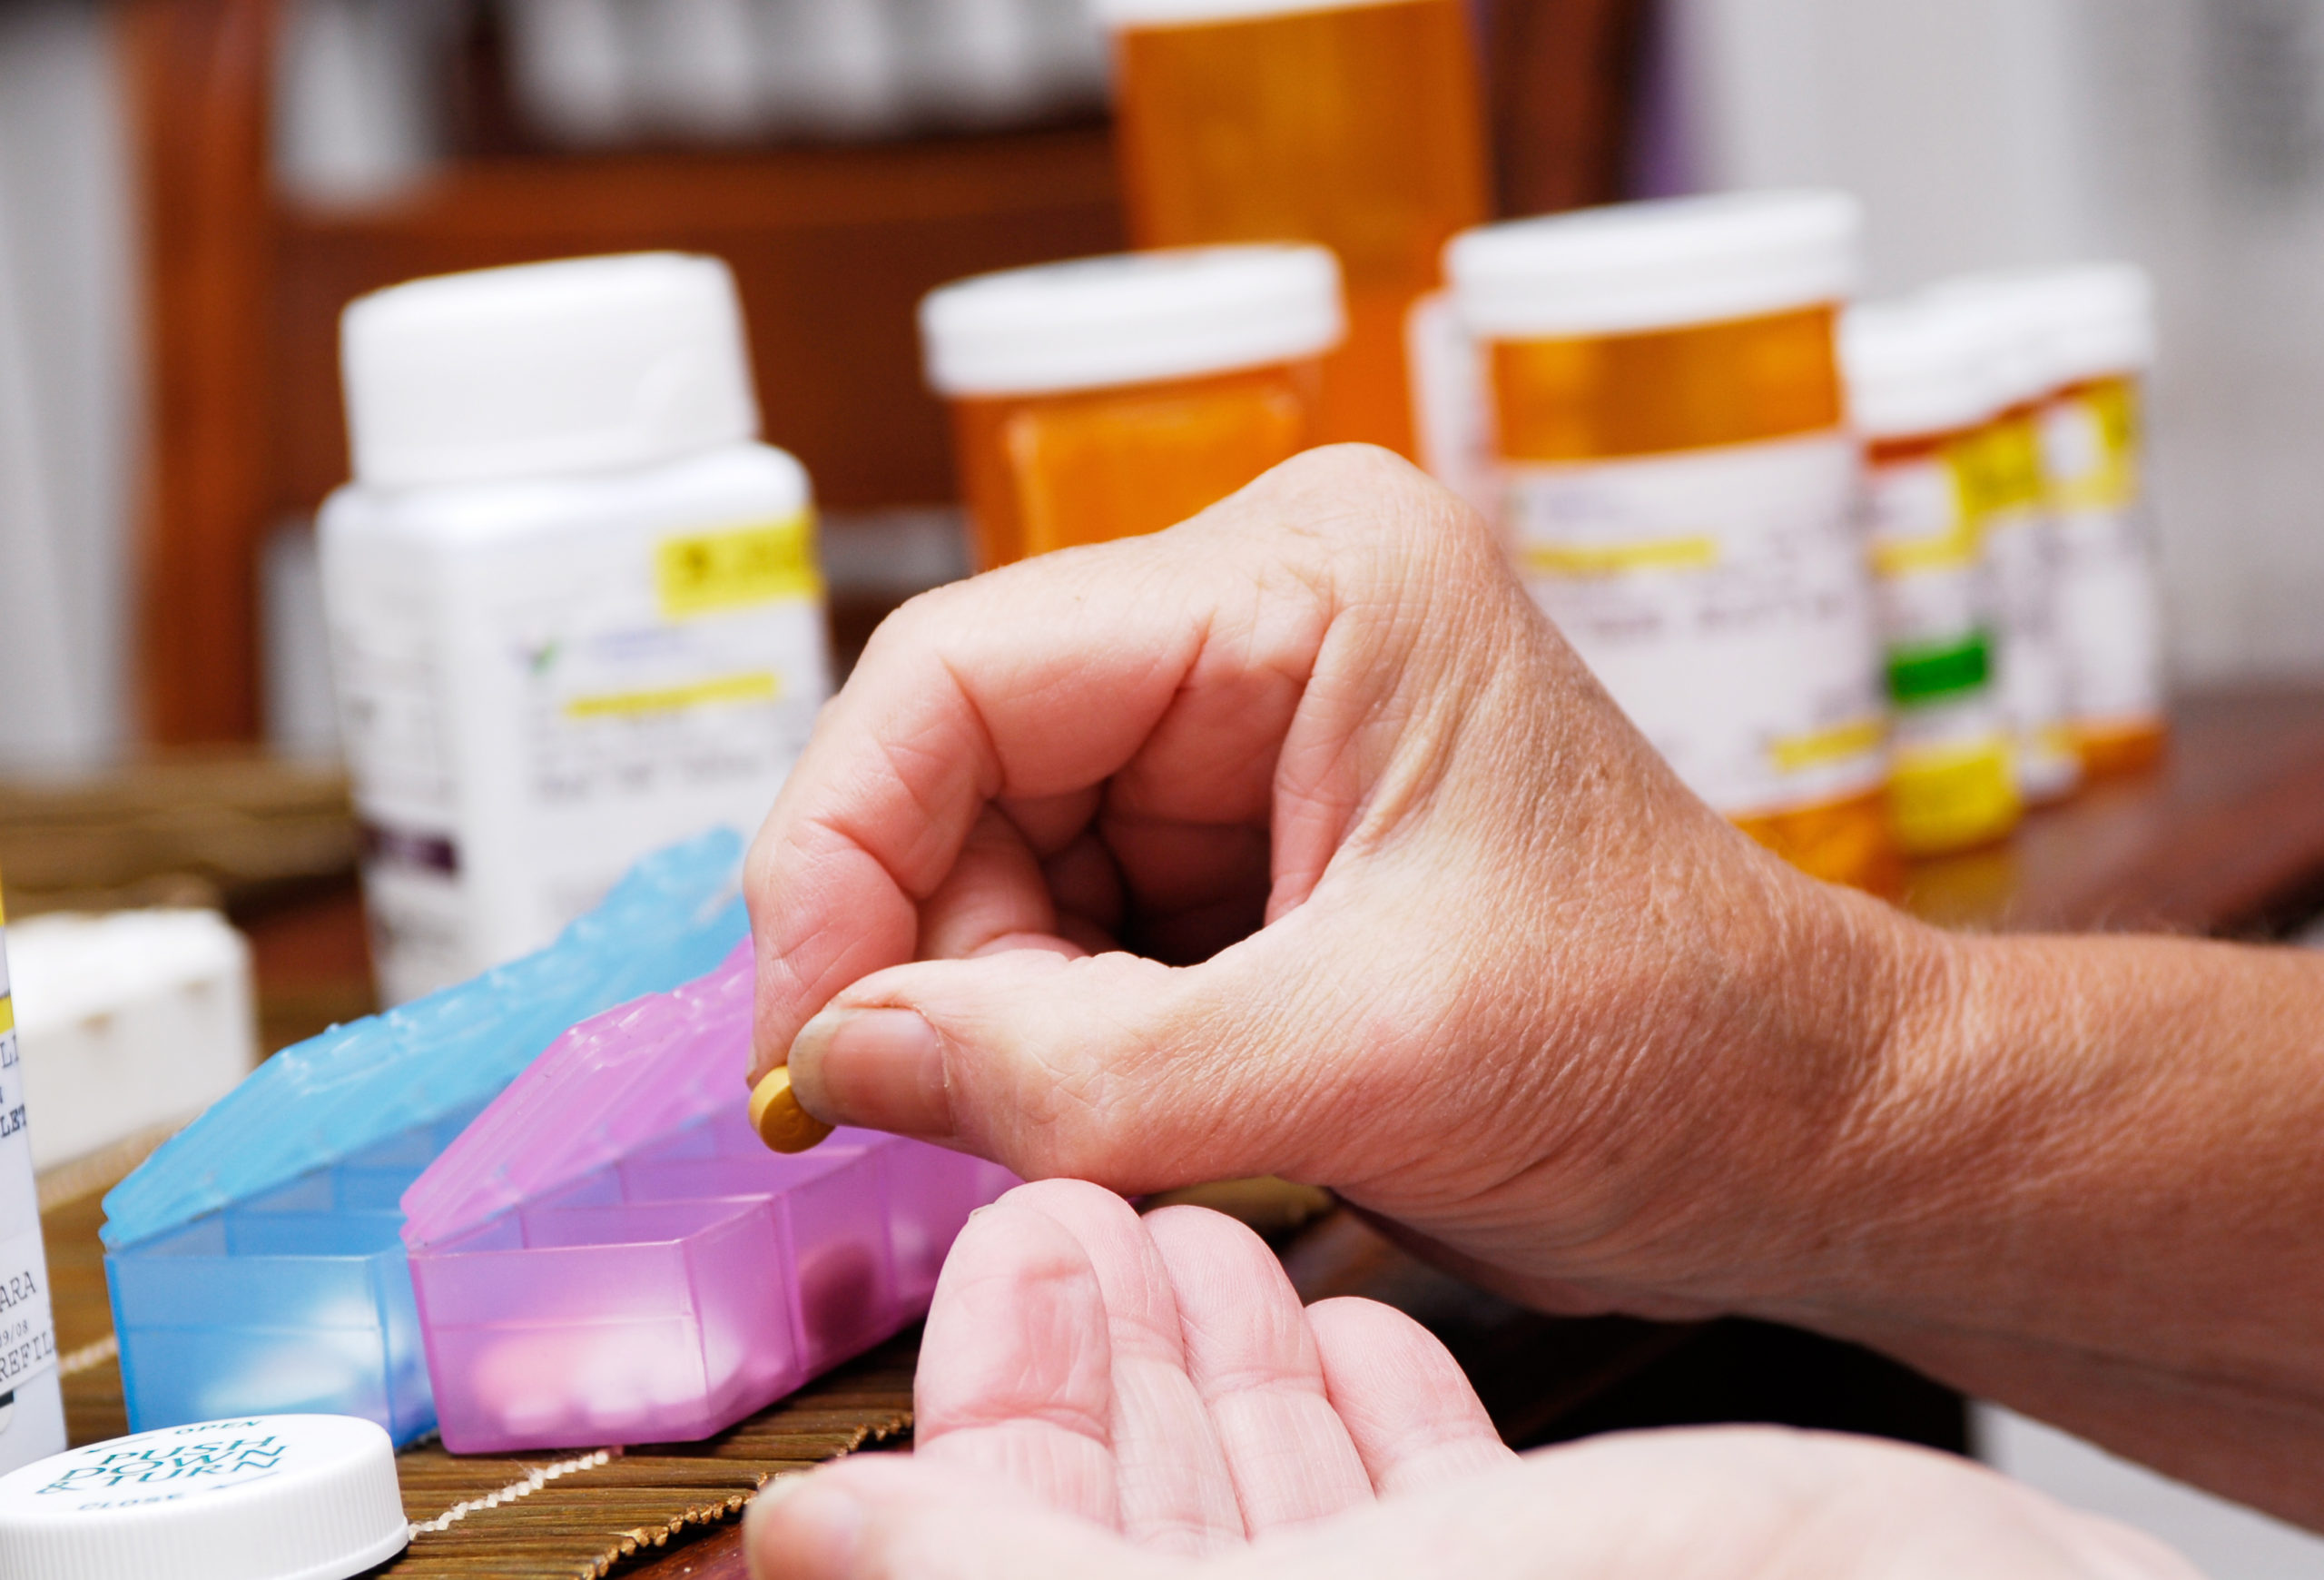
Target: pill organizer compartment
[[255, 1262], [611, 1255], [296, 1301]]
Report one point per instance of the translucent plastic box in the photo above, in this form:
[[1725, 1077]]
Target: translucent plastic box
[[297, 1299], [609, 1254], [254, 1261]]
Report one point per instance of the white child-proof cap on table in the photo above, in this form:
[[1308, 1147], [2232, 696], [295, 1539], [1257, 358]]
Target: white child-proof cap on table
[[1131, 319], [128, 1019], [1916, 367], [1671, 263], [271, 1498], [543, 369]]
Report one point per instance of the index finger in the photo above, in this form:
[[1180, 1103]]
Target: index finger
[[1035, 682]]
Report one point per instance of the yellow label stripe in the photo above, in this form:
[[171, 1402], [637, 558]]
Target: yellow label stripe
[[7, 1014], [706, 573], [1918, 556], [759, 687], [1840, 742], [1614, 559]]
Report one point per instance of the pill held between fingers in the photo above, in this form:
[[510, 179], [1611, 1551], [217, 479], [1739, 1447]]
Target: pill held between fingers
[[776, 1115]]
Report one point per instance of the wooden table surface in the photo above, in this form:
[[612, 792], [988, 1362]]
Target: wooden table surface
[[2225, 837]]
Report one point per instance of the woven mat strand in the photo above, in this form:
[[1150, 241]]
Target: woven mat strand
[[519, 1517], [585, 1514]]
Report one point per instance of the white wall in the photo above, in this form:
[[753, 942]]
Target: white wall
[[2223, 1540], [2187, 133]]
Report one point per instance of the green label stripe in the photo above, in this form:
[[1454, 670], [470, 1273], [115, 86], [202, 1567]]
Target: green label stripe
[[1925, 674]]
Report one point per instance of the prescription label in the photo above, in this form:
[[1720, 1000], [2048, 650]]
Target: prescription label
[[1952, 784], [631, 685], [701, 573], [1722, 597], [1452, 409], [395, 720], [1931, 588], [28, 1330], [2107, 625], [2005, 468]]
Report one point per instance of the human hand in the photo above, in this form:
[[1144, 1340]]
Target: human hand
[[1103, 1395], [1295, 841]]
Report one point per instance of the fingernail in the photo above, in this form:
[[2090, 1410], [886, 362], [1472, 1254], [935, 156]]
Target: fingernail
[[821, 1530], [881, 1069]]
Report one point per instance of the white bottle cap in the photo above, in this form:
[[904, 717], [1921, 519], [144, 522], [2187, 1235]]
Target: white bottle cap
[[272, 1498], [1666, 264], [1916, 369], [2089, 321], [2009, 310], [2102, 321], [583, 365], [1131, 319], [1180, 12]]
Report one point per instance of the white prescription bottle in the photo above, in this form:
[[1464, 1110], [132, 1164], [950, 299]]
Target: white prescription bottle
[[2010, 318], [1921, 394], [1677, 485], [575, 607]]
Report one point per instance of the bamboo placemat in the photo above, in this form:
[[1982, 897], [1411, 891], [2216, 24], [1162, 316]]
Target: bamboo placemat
[[516, 1516]]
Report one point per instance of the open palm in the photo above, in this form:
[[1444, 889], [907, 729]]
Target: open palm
[[1100, 1393], [1158, 1376]]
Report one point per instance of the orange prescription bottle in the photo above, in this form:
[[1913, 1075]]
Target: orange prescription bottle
[[1920, 393], [2098, 345], [2009, 478], [1357, 123], [1678, 486], [1108, 397]]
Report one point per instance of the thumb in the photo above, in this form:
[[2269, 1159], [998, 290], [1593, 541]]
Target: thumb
[[1112, 1067], [885, 1515]]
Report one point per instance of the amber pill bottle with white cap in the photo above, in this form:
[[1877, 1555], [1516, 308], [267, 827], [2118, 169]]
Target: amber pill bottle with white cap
[[2098, 342], [1111, 397], [1922, 394], [1354, 123], [1678, 484], [2010, 477]]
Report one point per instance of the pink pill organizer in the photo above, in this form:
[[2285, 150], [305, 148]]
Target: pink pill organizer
[[608, 1254]]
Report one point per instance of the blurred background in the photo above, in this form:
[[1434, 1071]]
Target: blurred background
[[191, 190]]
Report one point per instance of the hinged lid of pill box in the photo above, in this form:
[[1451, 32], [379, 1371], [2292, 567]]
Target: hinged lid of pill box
[[670, 920], [612, 1084]]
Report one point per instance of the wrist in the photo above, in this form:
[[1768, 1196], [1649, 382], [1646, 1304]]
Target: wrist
[[1841, 1168], [1712, 1077], [1798, 1088]]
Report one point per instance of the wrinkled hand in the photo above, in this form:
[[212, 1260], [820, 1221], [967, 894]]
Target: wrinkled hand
[[1294, 841], [1099, 1395]]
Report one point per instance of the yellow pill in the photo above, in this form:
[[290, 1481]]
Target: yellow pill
[[776, 1115]]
